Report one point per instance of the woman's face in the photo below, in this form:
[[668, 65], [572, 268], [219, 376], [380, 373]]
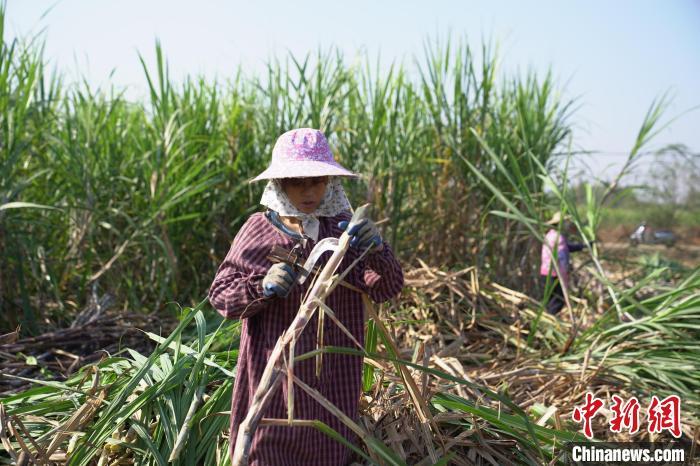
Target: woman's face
[[570, 227], [305, 193]]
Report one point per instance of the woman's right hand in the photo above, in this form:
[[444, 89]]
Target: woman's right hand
[[279, 280]]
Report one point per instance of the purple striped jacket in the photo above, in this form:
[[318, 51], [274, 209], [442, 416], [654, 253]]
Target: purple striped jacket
[[236, 293]]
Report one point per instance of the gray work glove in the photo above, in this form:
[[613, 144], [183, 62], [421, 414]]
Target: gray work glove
[[278, 280], [364, 233]]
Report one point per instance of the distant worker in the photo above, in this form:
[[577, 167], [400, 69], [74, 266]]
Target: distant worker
[[556, 243], [638, 236]]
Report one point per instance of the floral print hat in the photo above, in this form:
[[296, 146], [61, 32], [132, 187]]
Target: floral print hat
[[302, 152]]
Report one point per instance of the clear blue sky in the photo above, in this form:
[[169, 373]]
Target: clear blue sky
[[615, 56]]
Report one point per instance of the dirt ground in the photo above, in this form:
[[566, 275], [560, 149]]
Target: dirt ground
[[685, 255], [614, 243]]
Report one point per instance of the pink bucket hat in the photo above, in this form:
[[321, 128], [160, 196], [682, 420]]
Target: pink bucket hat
[[301, 153]]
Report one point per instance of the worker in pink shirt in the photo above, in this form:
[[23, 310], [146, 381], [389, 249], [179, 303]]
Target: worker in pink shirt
[[556, 247]]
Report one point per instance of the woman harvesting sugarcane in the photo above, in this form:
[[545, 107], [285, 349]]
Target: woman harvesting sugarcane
[[305, 203], [556, 247]]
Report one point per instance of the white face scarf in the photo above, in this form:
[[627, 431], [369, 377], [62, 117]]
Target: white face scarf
[[334, 202]]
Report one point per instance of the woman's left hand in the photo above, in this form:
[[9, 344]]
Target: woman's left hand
[[363, 233]]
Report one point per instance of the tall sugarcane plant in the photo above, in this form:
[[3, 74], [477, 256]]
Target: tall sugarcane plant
[[144, 195]]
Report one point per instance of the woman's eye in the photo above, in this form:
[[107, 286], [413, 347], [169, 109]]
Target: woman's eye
[[314, 181]]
